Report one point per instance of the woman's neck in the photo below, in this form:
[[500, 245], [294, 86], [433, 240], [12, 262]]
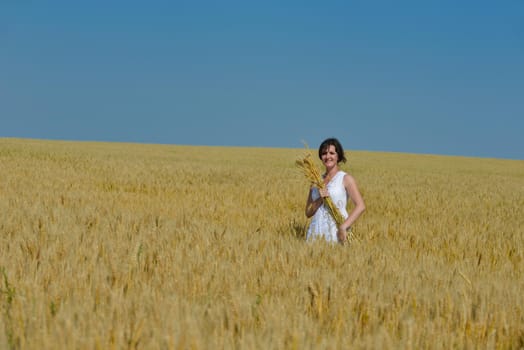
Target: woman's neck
[[332, 171]]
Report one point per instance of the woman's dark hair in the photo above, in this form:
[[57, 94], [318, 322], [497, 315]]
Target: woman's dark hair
[[338, 148]]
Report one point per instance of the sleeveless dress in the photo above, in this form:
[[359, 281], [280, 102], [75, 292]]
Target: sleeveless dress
[[322, 224]]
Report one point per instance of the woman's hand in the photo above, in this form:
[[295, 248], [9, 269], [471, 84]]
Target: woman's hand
[[323, 192], [342, 234]]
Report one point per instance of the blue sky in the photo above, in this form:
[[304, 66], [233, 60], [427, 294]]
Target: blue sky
[[438, 77]]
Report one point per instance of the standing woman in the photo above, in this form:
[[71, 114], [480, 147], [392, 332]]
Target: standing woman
[[340, 186]]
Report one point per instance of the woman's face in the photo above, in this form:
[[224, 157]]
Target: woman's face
[[329, 156]]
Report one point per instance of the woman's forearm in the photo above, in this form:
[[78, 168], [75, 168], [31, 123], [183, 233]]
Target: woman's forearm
[[353, 216], [313, 206]]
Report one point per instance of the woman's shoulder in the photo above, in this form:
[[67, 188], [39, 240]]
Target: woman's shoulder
[[342, 174], [348, 179]]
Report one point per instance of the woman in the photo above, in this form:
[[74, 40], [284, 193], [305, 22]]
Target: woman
[[340, 186]]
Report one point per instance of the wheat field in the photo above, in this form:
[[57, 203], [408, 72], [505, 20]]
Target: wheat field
[[136, 246]]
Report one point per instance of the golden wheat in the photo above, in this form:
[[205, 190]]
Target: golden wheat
[[111, 245]]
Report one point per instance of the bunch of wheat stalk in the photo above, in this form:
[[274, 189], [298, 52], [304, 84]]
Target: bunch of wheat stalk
[[312, 174]]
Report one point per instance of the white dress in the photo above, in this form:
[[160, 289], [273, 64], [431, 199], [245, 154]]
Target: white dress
[[322, 224]]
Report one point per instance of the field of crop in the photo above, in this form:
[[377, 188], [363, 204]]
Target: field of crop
[[135, 246]]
